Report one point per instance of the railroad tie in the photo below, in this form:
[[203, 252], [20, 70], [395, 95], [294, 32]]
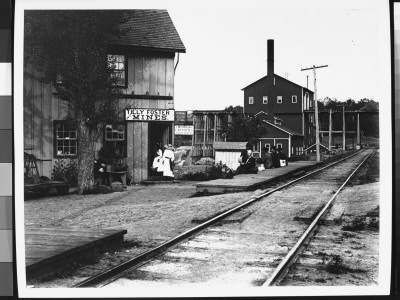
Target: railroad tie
[[311, 211]]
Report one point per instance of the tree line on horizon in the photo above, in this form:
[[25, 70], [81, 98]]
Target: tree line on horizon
[[248, 128]]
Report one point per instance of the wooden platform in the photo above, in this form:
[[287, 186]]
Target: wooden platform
[[51, 249], [245, 182]]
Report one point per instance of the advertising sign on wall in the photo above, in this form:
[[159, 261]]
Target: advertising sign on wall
[[149, 114], [184, 129]]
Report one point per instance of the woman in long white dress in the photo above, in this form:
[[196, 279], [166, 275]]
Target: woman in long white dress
[[168, 158], [158, 163]]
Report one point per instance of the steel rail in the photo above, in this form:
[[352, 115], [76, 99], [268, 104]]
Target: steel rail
[[293, 254], [120, 270]]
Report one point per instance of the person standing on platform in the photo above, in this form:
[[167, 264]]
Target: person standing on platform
[[157, 166], [266, 158], [275, 158], [168, 161], [282, 157]]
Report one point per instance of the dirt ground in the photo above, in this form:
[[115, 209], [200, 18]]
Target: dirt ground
[[155, 213]]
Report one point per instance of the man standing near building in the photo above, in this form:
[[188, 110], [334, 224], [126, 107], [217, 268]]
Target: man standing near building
[[275, 158]]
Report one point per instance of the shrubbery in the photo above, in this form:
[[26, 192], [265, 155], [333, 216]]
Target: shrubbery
[[65, 171], [214, 171]]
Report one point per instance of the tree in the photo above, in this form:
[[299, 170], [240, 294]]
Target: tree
[[242, 127], [73, 46], [369, 123]]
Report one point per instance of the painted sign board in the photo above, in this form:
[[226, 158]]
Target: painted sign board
[[149, 114], [184, 129]]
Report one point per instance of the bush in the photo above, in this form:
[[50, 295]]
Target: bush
[[212, 172], [65, 171]]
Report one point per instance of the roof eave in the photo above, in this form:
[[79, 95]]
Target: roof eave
[[146, 48]]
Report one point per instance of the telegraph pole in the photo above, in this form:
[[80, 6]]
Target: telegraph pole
[[316, 109]]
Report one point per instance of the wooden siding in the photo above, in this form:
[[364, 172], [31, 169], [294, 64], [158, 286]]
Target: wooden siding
[[145, 75], [275, 141], [150, 76], [40, 109], [292, 121], [282, 87], [230, 158]]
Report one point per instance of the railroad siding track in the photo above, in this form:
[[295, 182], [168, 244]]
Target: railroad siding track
[[246, 253]]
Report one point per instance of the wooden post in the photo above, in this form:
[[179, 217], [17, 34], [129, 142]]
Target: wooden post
[[194, 131], [330, 130], [316, 118], [358, 132], [205, 133], [344, 130], [317, 142]]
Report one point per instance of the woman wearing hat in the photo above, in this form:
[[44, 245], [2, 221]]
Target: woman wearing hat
[[168, 160]]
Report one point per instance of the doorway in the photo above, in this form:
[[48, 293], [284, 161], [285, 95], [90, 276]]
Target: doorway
[[159, 135]]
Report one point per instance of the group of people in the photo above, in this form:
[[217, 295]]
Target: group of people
[[275, 158], [163, 163]]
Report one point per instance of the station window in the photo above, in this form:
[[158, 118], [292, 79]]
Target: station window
[[279, 99], [251, 100], [117, 64], [265, 99], [115, 139], [268, 147], [279, 145], [66, 139], [294, 98]]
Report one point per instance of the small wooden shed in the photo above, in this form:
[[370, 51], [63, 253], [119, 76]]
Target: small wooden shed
[[228, 153]]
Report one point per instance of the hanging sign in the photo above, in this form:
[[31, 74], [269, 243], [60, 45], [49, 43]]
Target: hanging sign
[[184, 129], [149, 114]]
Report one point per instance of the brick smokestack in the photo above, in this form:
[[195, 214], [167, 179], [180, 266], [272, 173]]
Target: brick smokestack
[[270, 57], [270, 80]]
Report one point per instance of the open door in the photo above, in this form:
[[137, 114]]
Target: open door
[[159, 135]]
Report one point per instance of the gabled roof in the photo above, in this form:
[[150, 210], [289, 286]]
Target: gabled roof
[[314, 146], [280, 77], [283, 128], [229, 145], [150, 29]]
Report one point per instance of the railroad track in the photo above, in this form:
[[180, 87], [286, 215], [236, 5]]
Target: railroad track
[[258, 249]]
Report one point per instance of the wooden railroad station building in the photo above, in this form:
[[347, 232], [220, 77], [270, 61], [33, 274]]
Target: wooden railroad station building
[[146, 58]]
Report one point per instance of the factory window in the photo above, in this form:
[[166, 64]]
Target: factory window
[[117, 64], [294, 99], [251, 100], [279, 99], [115, 133], [66, 141], [265, 99]]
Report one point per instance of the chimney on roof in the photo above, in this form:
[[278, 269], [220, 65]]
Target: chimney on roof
[[270, 57]]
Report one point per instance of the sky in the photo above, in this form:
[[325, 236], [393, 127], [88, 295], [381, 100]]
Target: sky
[[226, 45], [226, 48]]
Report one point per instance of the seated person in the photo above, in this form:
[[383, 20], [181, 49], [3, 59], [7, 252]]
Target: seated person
[[247, 164]]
